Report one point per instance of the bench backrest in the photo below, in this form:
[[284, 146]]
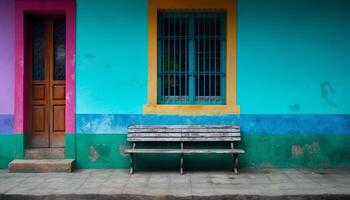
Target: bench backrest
[[183, 133]]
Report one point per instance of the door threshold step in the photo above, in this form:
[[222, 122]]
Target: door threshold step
[[44, 153], [41, 166]]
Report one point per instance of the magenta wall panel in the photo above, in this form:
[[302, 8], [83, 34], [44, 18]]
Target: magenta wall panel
[[66, 7]]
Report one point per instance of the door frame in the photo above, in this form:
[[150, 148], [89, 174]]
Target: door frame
[[43, 7]]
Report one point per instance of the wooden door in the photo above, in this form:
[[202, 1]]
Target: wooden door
[[47, 61]]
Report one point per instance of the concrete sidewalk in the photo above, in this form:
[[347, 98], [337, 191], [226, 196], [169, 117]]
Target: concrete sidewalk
[[118, 184]]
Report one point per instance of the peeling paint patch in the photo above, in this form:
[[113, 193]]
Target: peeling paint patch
[[100, 152], [121, 149], [297, 151], [93, 154], [250, 124], [310, 149]]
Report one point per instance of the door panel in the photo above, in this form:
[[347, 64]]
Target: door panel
[[59, 92], [38, 92], [47, 96], [58, 124], [58, 118], [39, 122]]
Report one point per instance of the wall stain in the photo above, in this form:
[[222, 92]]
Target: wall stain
[[297, 151], [307, 149], [326, 89], [294, 108], [93, 154], [99, 152], [107, 65], [89, 55], [121, 149]]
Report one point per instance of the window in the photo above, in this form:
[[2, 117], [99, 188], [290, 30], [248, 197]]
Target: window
[[191, 57]]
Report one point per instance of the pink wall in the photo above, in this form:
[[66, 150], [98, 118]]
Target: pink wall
[[44, 7], [7, 48]]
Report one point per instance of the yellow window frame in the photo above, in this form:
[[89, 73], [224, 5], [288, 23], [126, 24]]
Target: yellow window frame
[[231, 107]]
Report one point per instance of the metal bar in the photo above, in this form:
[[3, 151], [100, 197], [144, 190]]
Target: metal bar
[[204, 53], [191, 61], [180, 52], [215, 92], [210, 51], [186, 63], [168, 79], [198, 55], [163, 61], [174, 59]]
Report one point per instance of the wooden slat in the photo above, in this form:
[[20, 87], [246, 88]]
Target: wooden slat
[[184, 151], [182, 130], [183, 139], [183, 126], [134, 135]]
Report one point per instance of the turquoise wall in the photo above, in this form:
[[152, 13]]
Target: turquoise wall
[[111, 56], [292, 84], [292, 56]]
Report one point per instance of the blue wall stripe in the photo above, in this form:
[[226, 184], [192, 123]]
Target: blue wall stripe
[[250, 124], [6, 123]]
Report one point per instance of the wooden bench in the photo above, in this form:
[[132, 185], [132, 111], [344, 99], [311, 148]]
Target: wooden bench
[[184, 134]]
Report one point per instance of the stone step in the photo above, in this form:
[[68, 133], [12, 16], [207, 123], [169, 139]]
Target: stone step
[[41, 166], [44, 153]]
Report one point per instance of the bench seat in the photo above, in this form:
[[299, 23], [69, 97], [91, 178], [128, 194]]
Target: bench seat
[[184, 134], [184, 151]]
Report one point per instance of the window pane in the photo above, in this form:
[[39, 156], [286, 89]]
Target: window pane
[[208, 52], [60, 49], [38, 49], [191, 49], [173, 58]]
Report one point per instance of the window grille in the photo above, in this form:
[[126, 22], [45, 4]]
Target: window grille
[[191, 57]]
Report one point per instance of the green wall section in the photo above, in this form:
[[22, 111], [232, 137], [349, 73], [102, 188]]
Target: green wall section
[[310, 151], [100, 151], [11, 147], [70, 146]]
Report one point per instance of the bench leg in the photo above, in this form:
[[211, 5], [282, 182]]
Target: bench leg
[[181, 164], [235, 163], [132, 163]]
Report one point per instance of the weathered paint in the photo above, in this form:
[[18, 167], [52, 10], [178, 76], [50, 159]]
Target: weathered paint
[[66, 7], [250, 124], [314, 151], [7, 45]]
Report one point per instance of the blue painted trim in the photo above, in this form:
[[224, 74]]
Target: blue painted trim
[[250, 124], [6, 123]]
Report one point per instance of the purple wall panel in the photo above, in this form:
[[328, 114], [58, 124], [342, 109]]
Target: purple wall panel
[[7, 45]]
